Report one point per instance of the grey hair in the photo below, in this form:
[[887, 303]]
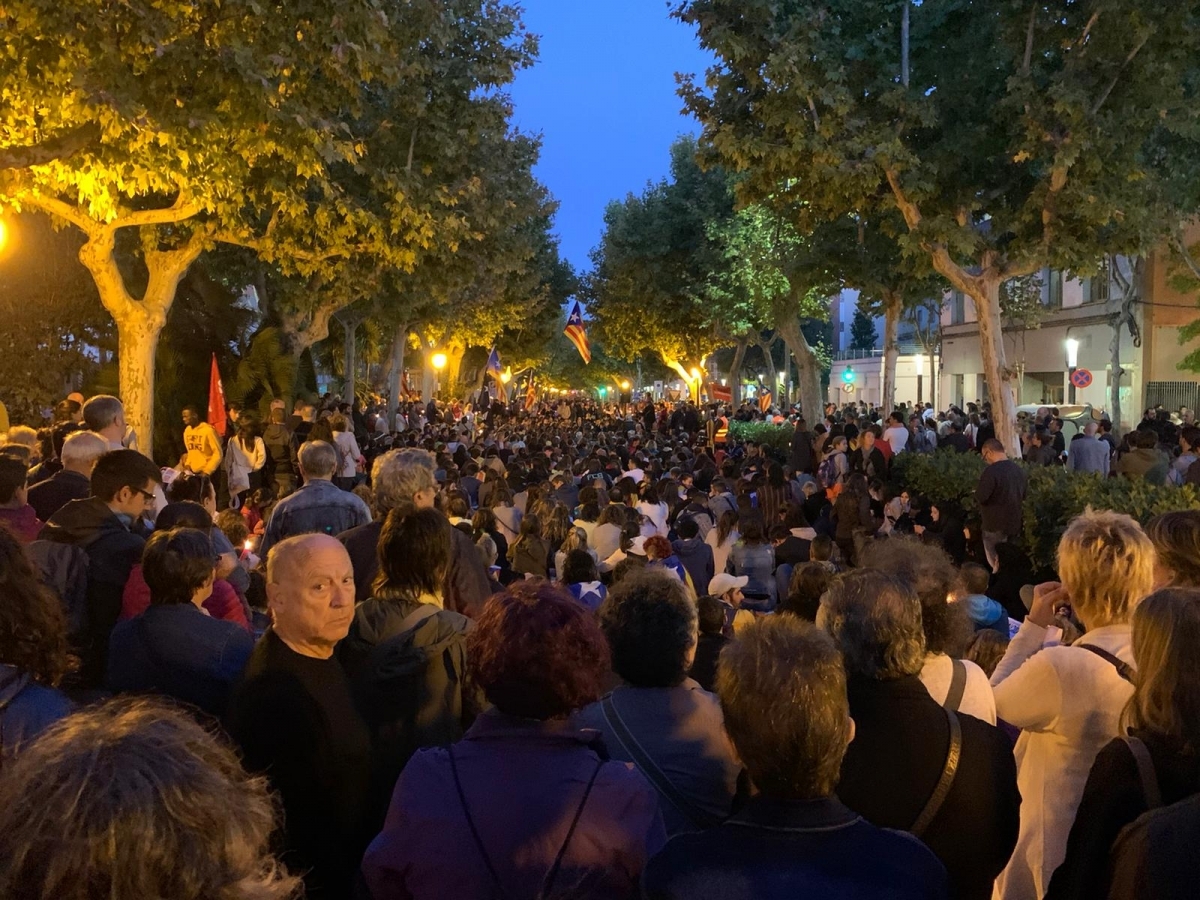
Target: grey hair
[[875, 620], [318, 459], [487, 549], [399, 475], [101, 411], [82, 447]]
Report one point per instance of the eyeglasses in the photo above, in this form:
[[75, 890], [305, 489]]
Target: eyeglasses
[[148, 496]]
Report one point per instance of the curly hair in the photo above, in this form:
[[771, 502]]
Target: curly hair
[[133, 798], [33, 628], [537, 653], [1106, 563], [651, 627], [932, 575], [875, 619], [657, 547]]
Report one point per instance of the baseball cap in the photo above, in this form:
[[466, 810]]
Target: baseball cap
[[724, 583]]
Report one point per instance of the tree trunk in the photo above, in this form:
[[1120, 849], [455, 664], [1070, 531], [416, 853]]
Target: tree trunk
[[892, 306], [139, 322], [986, 294], [772, 372], [808, 369], [1114, 347], [735, 371], [349, 363], [399, 345]]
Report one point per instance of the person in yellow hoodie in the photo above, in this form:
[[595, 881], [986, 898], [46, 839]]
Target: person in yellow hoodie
[[202, 453]]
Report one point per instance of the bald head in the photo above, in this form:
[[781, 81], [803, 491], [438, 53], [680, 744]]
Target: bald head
[[1090, 429], [310, 592]]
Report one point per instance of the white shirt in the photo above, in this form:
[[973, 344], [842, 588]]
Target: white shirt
[[721, 551], [897, 437], [1068, 703], [977, 698], [657, 514]]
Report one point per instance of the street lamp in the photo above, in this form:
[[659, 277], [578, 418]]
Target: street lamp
[[506, 376], [439, 363], [1072, 364], [3, 234], [624, 385]]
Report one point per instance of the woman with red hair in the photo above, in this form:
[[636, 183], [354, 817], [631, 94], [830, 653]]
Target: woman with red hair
[[525, 802]]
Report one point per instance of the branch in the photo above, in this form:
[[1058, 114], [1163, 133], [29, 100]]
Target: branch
[[1181, 248], [1117, 77], [61, 147], [62, 209], [1028, 60], [943, 262], [177, 212]]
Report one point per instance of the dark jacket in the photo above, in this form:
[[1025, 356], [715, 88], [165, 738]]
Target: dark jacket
[[277, 440], [49, 496], [26, 708], [894, 763], [957, 441], [704, 666], [873, 464], [530, 556], [466, 582], [801, 456], [1000, 493], [178, 651], [789, 849], [1112, 799], [112, 551], [295, 720], [697, 557], [522, 781], [1155, 857], [408, 681]]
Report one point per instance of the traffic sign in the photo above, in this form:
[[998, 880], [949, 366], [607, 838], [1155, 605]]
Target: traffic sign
[[1081, 378], [848, 388]]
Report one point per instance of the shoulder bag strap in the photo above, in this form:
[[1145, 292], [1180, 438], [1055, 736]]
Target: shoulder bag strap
[[1146, 771], [1124, 669], [552, 874], [958, 684], [416, 617], [650, 769], [462, 799], [949, 770]]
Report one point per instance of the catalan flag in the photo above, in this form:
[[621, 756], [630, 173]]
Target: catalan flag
[[493, 369], [577, 334], [530, 395], [764, 400]]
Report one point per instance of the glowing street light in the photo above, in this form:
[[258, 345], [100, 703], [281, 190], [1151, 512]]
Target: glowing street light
[[439, 361], [695, 374], [506, 376], [1072, 353], [3, 234], [624, 385]]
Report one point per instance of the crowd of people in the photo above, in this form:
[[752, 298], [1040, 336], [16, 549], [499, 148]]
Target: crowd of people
[[586, 651]]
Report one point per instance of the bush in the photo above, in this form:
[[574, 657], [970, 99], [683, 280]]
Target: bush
[[775, 437], [1055, 496]]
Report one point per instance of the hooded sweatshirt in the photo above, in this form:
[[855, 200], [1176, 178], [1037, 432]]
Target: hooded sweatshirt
[[112, 551]]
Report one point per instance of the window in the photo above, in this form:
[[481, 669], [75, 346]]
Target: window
[[1054, 289], [1096, 290], [958, 313]]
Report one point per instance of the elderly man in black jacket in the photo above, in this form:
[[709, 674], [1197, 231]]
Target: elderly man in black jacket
[[947, 778]]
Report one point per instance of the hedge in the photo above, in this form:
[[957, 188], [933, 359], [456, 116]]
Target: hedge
[[1055, 496], [777, 437]]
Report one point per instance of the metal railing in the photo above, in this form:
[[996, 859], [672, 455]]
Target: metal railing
[[906, 349]]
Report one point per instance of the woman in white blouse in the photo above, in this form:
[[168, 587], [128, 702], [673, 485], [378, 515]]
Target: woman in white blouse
[[654, 509], [1068, 700], [722, 538], [348, 452], [245, 455]]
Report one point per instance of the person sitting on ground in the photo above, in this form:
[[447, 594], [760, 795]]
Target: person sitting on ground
[[728, 589], [753, 558], [1068, 700], [530, 552], [317, 507], [293, 714], [34, 654], [712, 640], [808, 584], [132, 798], [783, 690], [905, 743], [530, 806], [580, 577], [982, 610], [695, 555], [659, 718], [405, 655], [1158, 762], [175, 648], [821, 551], [78, 454]]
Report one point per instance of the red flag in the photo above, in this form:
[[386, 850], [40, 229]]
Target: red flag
[[720, 392], [216, 399]]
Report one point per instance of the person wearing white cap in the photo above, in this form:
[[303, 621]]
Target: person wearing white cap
[[728, 589]]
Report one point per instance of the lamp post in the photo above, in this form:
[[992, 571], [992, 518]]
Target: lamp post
[[1072, 364], [439, 363]]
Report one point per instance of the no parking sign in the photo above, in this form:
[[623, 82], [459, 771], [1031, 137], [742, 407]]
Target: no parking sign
[[1081, 378]]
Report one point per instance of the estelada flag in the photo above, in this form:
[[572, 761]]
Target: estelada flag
[[530, 395], [764, 401], [493, 369], [216, 399], [577, 334]]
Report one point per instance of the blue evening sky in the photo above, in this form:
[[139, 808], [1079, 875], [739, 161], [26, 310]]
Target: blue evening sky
[[603, 96]]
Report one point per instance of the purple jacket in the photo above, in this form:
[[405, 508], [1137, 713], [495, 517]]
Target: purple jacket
[[523, 782]]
